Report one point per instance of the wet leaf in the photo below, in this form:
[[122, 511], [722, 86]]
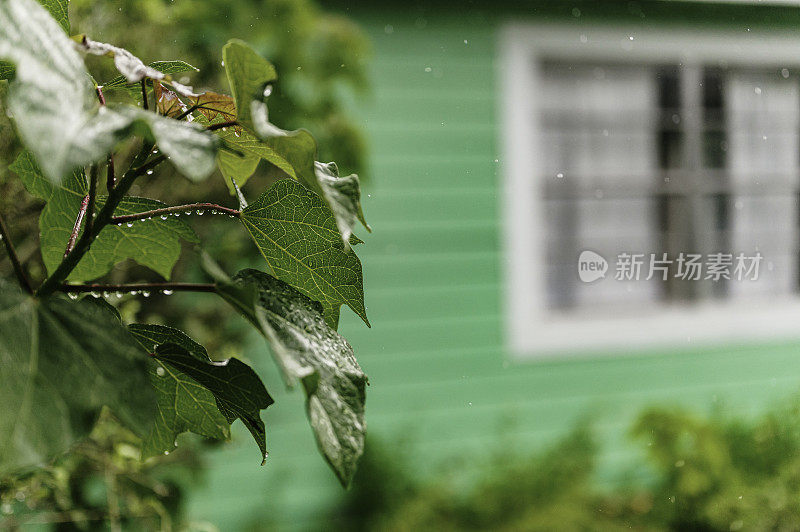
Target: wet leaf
[[153, 243], [191, 149], [294, 152], [308, 351], [249, 75], [216, 107], [298, 237], [55, 107], [197, 394]]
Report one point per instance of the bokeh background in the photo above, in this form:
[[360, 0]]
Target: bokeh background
[[505, 394]]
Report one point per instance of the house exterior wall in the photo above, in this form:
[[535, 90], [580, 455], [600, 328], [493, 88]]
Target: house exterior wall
[[444, 389]]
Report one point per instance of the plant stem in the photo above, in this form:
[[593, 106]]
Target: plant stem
[[175, 209], [187, 112], [137, 287], [111, 179], [77, 227], [145, 104], [103, 218], [93, 171], [220, 125], [12, 254]]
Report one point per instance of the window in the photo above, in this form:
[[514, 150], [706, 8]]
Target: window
[[633, 144]]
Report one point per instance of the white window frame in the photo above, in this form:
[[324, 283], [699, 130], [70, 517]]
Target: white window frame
[[534, 331]]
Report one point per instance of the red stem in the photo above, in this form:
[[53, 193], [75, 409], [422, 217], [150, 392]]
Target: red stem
[[77, 227]]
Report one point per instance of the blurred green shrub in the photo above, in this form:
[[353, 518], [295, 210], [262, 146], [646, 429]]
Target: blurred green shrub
[[704, 474]]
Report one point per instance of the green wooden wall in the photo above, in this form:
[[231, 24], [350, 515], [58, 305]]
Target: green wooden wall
[[443, 387]]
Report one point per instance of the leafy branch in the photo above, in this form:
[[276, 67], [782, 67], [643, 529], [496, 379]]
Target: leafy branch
[[115, 196], [157, 380]]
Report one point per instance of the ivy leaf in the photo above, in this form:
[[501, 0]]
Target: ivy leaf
[[152, 243], [249, 76], [61, 361], [298, 237], [309, 351], [197, 394], [56, 110]]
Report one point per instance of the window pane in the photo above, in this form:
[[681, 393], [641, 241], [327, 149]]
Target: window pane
[[600, 160], [763, 153]]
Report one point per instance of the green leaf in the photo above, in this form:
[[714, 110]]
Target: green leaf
[[189, 146], [165, 67], [61, 361], [7, 70], [58, 9], [235, 167], [294, 152], [152, 243], [249, 74], [56, 110], [308, 350], [51, 96], [298, 150], [197, 394], [298, 237], [131, 67], [343, 195]]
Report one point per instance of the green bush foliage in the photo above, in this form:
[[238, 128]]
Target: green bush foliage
[[702, 473]]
